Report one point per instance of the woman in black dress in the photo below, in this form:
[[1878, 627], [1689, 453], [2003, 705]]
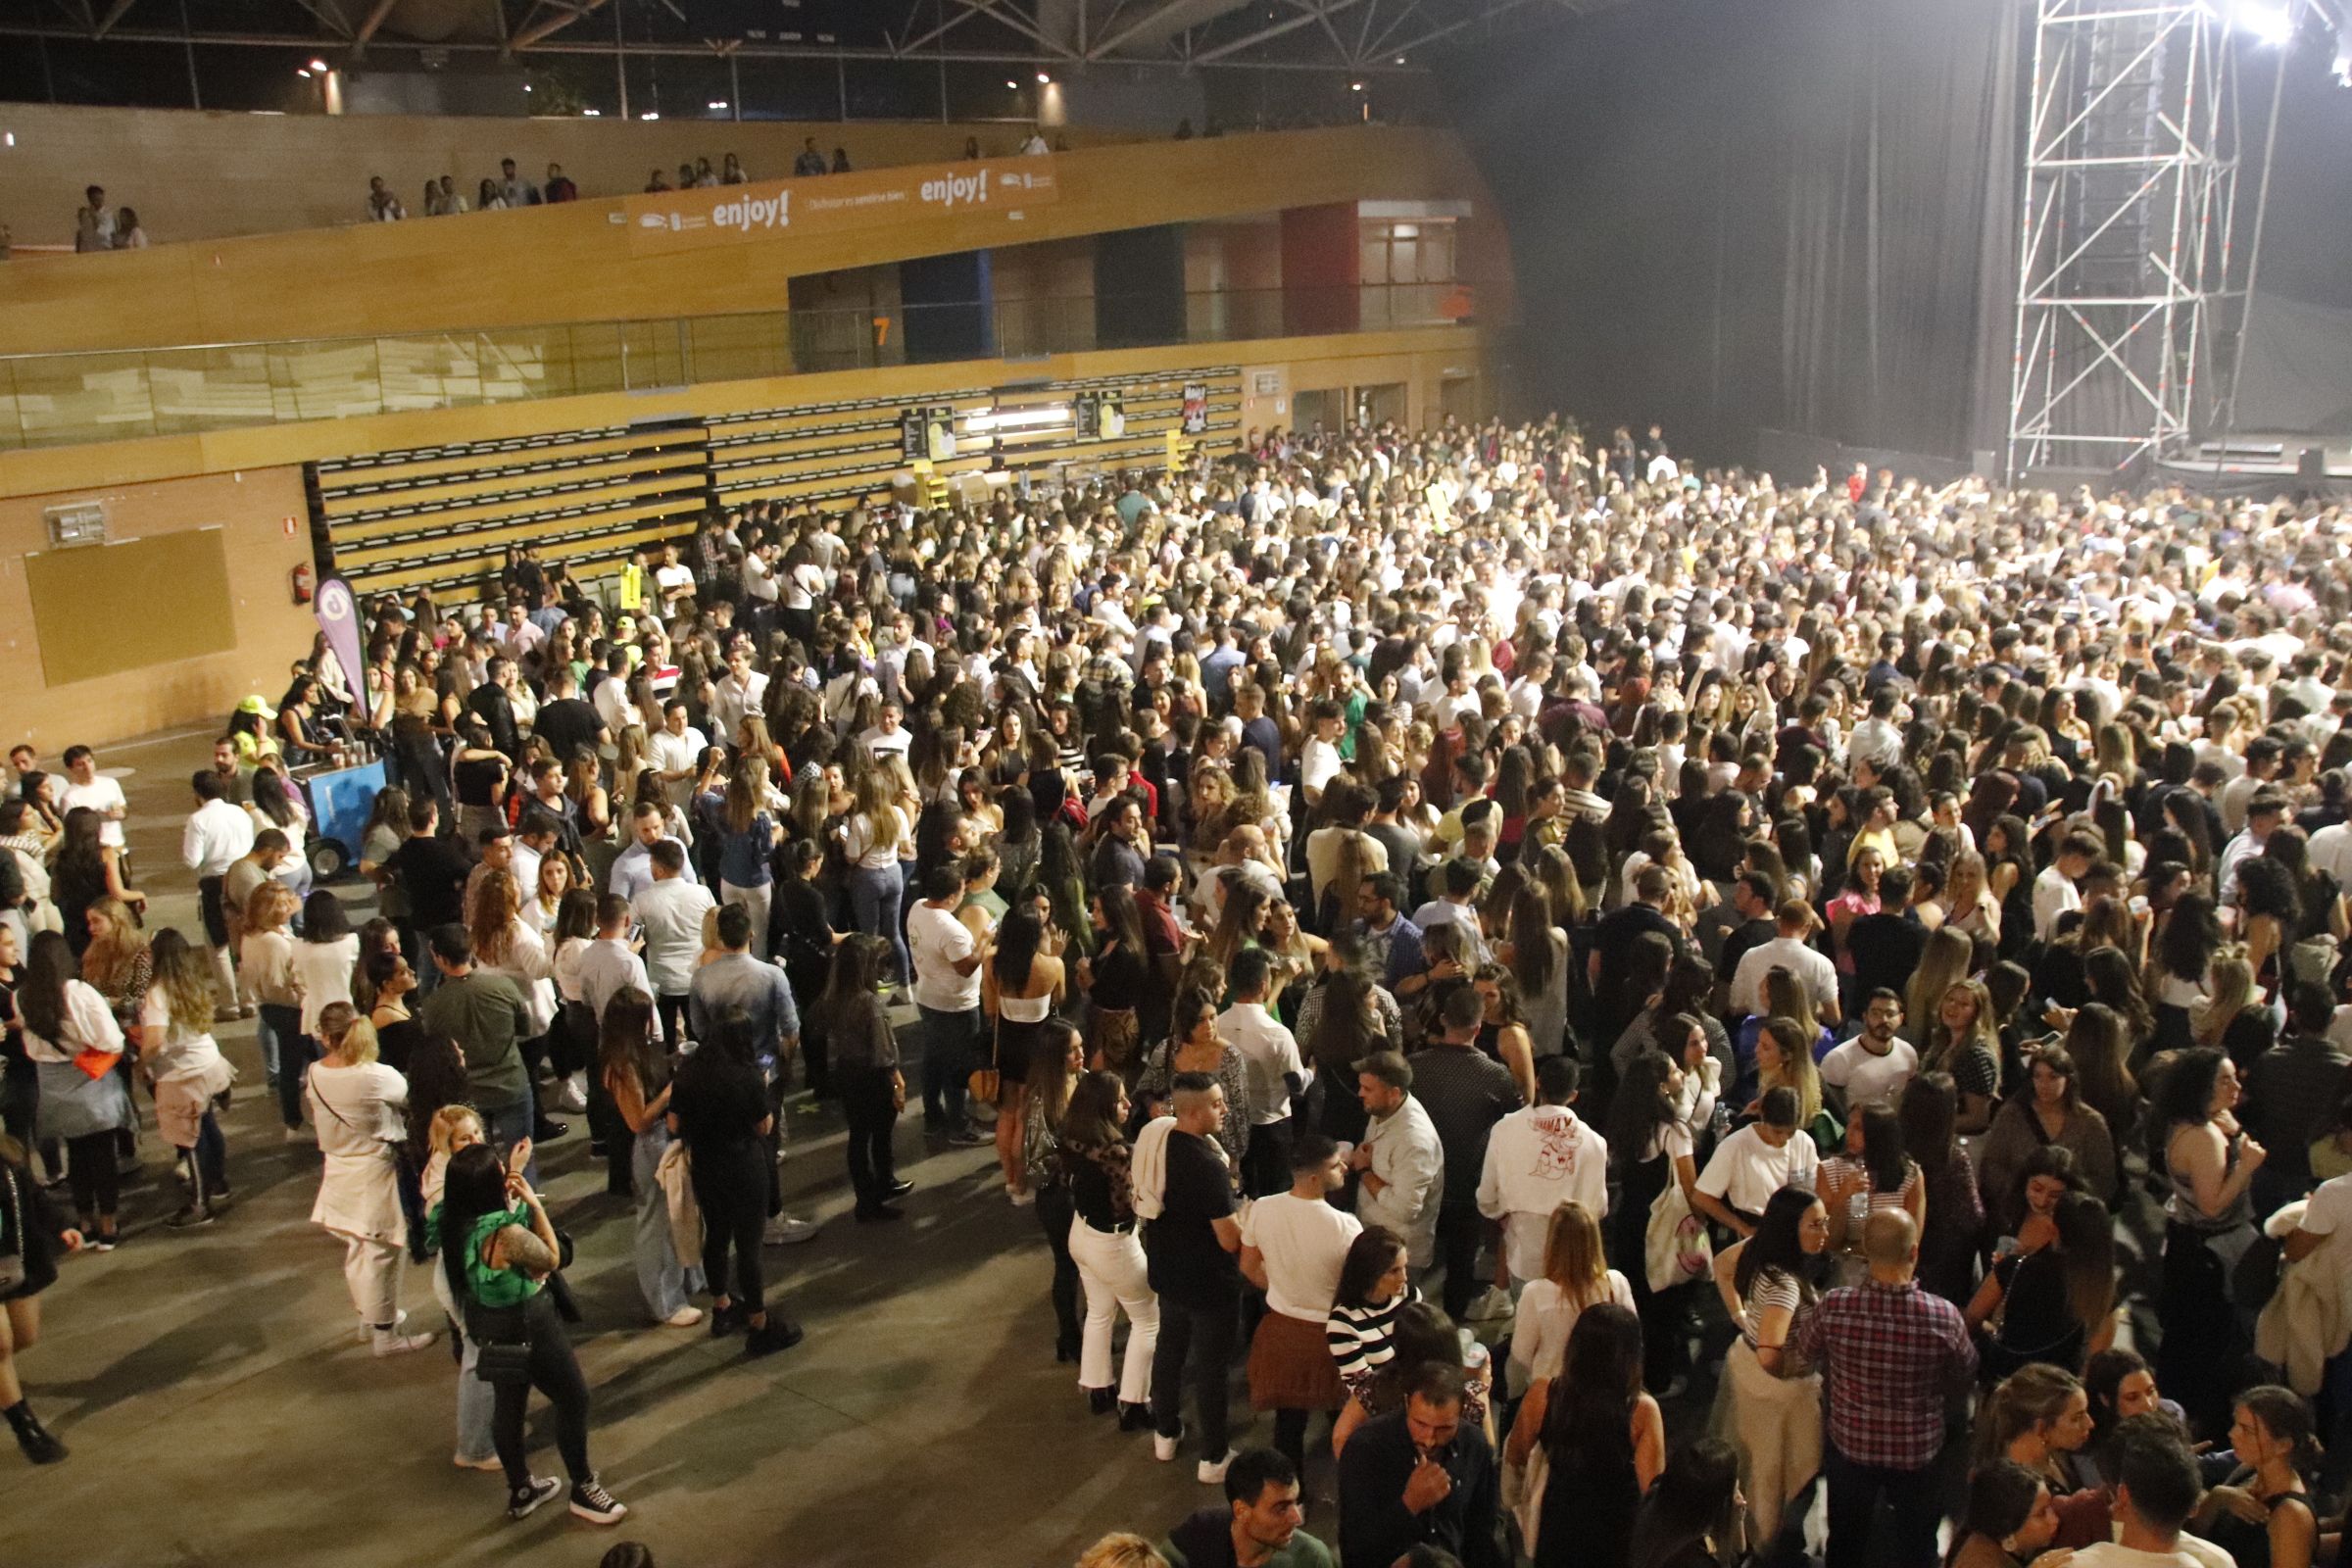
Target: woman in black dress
[[803, 938], [2055, 1292], [718, 1106], [31, 1235], [1600, 1441]]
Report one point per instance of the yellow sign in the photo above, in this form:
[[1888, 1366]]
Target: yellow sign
[[826, 204]]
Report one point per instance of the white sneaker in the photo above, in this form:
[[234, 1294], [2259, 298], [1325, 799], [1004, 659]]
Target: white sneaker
[[1213, 1471], [685, 1317], [572, 1095], [391, 1341], [399, 1320], [1164, 1448], [299, 1135], [1020, 1199], [490, 1463], [786, 1231], [1492, 1304]]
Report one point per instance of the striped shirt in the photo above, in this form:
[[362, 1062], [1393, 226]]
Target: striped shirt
[[1363, 1339]]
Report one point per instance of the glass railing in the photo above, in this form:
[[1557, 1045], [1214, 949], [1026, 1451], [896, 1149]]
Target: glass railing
[[58, 398]]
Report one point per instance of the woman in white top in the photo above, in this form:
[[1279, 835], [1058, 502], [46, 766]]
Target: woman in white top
[[870, 839], [355, 1102], [1575, 1275], [506, 943], [183, 1062], [322, 964], [75, 1045]]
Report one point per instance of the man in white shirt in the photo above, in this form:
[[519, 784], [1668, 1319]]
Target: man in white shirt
[[741, 690], [2264, 811], [1872, 1068], [1537, 1158], [1790, 950], [2055, 890], [887, 737], [1294, 1246], [1319, 758], [673, 751], [609, 964], [1400, 1164], [2157, 1491], [671, 908], [1275, 1071], [216, 837], [946, 999], [84, 787], [633, 871], [1755, 1163], [674, 581]]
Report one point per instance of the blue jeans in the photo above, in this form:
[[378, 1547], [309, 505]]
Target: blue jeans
[[476, 1400], [875, 898], [661, 1280], [947, 1042]]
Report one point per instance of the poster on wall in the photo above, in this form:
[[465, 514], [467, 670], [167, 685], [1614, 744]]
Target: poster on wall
[[927, 434], [779, 208], [1195, 407], [1111, 417]]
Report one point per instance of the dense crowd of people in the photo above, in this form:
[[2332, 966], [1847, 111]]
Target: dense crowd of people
[[1624, 1001]]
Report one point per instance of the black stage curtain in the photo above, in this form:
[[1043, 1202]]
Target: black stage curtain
[[1729, 214]]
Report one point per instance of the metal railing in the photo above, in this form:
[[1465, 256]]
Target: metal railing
[[60, 399]]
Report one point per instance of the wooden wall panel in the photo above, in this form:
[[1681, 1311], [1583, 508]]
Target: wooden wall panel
[[574, 264], [212, 176], [254, 508]]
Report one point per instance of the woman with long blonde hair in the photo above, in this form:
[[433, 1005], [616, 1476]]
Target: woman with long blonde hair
[[872, 840], [1949, 958], [352, 1099], [2228, 993], [1969, 901], [1575, 1275], [116, 964], [506, 944], [1961, 1040], [183, 1063]]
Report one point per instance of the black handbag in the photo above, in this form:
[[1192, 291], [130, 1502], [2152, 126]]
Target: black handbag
[[502, 1343]]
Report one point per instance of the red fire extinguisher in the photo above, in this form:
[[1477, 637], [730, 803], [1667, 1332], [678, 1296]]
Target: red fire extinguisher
[[303, 583]]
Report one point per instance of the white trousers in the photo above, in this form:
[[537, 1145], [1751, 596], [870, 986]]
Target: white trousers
[[371, 1270], [755, 902], [1111, 1267]]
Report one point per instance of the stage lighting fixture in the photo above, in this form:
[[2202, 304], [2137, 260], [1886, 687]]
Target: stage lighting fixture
[[2265, 24]]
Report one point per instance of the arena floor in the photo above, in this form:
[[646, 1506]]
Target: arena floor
[[223, 1410]]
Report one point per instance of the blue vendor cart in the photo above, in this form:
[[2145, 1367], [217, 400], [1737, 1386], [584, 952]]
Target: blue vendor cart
[[341, 800]]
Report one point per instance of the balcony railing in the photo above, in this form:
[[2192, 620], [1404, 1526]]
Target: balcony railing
[[54, 400]]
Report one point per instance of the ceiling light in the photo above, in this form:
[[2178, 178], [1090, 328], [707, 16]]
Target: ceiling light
[[591, 113], [1401, 60], [319, 66], [1356, 86], [526, 86], [1011, 85], [1044, 80], [650, 114], [2265, 24], [716, 103], [304, 71]]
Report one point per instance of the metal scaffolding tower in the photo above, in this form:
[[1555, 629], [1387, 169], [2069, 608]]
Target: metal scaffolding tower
[[2127, 280]]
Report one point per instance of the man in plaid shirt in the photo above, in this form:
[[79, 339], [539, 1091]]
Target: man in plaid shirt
[[1895, 1358]]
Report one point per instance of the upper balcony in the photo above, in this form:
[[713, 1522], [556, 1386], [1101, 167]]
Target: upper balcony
[[681, 256]]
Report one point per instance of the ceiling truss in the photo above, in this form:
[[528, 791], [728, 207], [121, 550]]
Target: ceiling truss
[[1351, 37]]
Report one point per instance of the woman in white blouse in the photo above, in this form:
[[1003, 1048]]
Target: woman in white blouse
[[75, 1046], [1575, 1275], [322, 963], [355, 1102]]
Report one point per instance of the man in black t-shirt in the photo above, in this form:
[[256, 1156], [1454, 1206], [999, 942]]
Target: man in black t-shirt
[[1195, 1245], [431, 870], [566, 721], [1613, 943]]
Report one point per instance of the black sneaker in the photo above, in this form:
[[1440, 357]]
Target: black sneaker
[[191, 1218], [898, 1189], [523, 1503], [39, 1444], [778, 1334], [971, 1137], [591, 1502], [725, 1320]]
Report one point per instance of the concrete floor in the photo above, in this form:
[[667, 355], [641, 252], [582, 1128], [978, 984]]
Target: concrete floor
[[222, 1409]]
